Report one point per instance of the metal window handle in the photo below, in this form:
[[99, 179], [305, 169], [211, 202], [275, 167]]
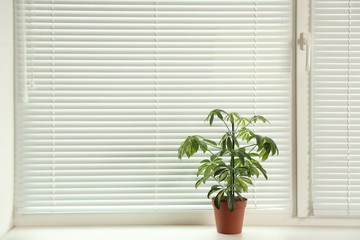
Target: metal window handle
[[305, 45]]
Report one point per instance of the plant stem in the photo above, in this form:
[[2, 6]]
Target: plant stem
[[210, 151], [227, 125], [249, 145], [218, 182], [232, 163], [252, 148]]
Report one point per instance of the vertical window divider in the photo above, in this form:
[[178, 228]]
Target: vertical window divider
[[302, 144]]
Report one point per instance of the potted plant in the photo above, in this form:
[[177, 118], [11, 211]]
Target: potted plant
[[232, 164]]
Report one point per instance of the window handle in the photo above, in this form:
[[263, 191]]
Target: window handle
[[305, 45]]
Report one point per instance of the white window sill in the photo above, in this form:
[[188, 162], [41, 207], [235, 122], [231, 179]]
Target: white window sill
[[180, 233]]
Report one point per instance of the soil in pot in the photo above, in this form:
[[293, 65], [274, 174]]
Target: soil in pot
[[230, 222]]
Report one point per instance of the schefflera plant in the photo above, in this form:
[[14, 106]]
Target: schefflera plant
[[235, 160]]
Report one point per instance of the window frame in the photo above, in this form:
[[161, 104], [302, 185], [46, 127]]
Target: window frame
[[301, 171], [7, 116]]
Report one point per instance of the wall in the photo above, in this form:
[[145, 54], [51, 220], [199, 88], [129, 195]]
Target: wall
[[6, 116]]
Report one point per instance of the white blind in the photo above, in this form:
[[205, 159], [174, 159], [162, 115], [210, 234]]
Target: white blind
[[107, 91], [336, 119]]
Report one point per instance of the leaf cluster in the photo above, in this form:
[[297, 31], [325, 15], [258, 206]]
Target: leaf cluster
[[235, 160]]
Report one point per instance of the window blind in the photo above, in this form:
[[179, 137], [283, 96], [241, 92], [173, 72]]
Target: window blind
[[107, 90], [335, 111]]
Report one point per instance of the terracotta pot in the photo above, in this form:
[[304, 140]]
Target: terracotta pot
[[230, 222]]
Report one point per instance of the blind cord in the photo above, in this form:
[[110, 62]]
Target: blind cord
[[53, 161], [255, 82], [156, 109], [348, 106], [27, 23], [33, 30]]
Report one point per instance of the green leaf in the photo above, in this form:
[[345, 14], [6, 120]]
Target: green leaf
[[221, 153], [242, 185], [241, 158], [241, 171], [231, 202], [219, 167], [274, 148], [242, 155], [236, 161], [219, 161], [235, 140], [241, 131], [184, 148], [239, 195], [262, 153], [188, 150], [223, 175], [189, 147], [215, 186], [219, 171], [231, 116], [244, 137], [198, 182], [229, 144], [218, 198], [180, 153], [230, 168], [205, 161], [259, 139], [218, 114], [223, 145], [236, 187], [254, 171], [264, 120], [266, 156], [213, 157], [209, 115], [262, 170], [253, 154], [208, 171], [195, 145], [201, 168], [247, 180], [210, 142], [205, 178], [213, 189], [243, 152], [211, 120], [203, 146]]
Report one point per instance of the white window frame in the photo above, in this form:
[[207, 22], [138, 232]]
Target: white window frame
[[7, 116], [302, 105], [302, 214]]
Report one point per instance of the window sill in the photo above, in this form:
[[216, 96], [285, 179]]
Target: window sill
[[180, 233]]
